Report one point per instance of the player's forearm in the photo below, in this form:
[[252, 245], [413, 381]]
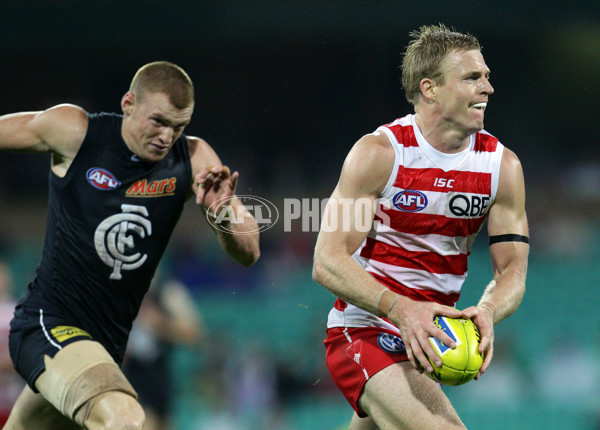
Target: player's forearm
[[241, 241], [504, 293], [344, 278], [237, 232]]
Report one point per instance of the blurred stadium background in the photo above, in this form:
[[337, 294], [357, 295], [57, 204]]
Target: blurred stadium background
[[283, 89]]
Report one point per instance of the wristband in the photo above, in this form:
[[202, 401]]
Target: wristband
[[378, 299], [392, 305], [386, 301]]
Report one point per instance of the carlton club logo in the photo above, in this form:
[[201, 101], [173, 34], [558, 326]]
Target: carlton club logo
[[410, 201], [115, 238], [102, 179]]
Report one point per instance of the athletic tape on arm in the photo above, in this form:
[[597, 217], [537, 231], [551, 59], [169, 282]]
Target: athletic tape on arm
[[508, 238]]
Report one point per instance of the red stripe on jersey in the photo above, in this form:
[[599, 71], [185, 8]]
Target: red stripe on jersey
[[405, 134], [425, 180], [419, 295], [428, 261], [485, 143], [340, 305], [418, 223]]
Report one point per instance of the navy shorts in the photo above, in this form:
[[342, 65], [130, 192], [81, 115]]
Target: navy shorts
[[35, 333]]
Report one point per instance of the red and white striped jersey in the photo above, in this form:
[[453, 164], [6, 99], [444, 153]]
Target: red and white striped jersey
[[426, 221]]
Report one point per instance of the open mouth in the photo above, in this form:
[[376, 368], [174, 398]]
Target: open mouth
[[481, 105]]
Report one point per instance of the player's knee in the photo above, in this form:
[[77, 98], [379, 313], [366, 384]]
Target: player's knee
[[114, 410]]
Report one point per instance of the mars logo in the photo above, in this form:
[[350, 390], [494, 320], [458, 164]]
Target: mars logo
[[113, 238], [410, 201], [390, 343], [102, 179]]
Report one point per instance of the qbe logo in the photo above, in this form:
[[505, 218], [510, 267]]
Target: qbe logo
[[469, 206], [410, 201], [222, 216]]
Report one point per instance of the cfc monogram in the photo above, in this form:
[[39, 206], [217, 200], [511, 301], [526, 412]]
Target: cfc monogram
[[113, 237]]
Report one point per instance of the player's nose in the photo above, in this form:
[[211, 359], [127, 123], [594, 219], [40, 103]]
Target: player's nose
[[166, 135], [487, 87]]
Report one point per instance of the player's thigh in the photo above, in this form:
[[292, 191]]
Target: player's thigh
[[76, 377], [398, 397], [33, 411]]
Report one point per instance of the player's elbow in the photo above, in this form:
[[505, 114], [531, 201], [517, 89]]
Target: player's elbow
[[250, 257]]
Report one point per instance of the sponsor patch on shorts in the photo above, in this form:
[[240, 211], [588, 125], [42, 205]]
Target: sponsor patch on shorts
[[390, 343], [64, 332]]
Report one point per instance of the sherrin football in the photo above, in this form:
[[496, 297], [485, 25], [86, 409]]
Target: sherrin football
[[461, 364]]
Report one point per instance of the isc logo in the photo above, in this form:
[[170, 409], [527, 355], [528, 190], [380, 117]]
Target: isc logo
[[410, 201], [102, 179]]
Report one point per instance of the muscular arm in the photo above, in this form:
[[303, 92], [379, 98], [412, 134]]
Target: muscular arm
[[509, 259], [363, 177], [212, 182], [504, 293], [60, 130]]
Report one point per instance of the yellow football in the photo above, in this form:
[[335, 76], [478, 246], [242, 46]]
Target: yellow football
[[461, 364]]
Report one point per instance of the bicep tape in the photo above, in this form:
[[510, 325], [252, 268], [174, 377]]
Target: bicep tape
[[508, 238]]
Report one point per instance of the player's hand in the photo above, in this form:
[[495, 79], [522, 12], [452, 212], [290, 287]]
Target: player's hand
[[415, 321], [484, 320], [215, 183]]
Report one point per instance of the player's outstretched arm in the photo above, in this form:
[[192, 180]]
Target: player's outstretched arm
[[364, 175], [509, 255], [214, 187], [59, 129]]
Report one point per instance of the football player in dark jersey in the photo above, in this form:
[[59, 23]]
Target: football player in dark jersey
[[118, 184]]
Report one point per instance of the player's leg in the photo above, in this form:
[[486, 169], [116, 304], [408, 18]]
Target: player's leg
[[32, 411], [398, 397], [115, 410], [84, 383]]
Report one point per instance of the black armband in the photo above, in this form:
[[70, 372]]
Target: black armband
[[508, 238]]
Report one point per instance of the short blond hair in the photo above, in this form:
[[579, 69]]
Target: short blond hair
[[167, 78], [425, 53]]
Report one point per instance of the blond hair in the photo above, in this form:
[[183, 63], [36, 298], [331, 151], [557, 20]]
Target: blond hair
[[425, 53], [167, 78]]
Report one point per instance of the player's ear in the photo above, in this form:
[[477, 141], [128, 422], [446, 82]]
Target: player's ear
[[127, 102], [428, 89]]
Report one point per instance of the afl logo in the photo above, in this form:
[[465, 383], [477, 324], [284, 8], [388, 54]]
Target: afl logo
[[410, 201], [102, 179], [390, 343]]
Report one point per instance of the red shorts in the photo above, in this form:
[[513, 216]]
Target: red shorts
[[354, 354]]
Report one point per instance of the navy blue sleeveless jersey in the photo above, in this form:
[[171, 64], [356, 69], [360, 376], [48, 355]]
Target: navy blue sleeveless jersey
[[109, 221]]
